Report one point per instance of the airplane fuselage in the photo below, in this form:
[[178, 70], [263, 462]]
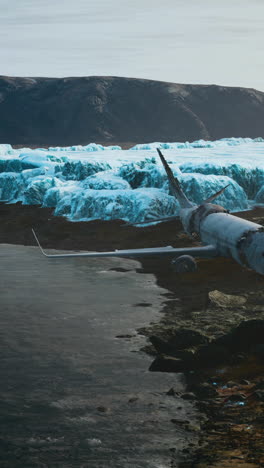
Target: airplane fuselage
[[232, 236]]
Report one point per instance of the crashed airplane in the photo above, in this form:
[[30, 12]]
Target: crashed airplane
[[221, 234]]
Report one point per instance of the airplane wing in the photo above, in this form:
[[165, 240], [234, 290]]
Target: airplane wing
[[206, 251]]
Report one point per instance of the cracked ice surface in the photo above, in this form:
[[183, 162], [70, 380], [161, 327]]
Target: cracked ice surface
[[95, 181]]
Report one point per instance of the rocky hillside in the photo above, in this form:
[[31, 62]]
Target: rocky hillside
[[66, 111]]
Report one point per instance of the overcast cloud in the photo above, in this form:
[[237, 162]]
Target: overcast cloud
[[190, 41]]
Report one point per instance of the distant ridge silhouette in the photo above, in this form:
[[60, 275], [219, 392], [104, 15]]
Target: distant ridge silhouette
[[67, 111]]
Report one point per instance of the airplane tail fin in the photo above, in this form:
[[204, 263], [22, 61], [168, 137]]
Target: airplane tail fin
[[175, 184], [210, 199]]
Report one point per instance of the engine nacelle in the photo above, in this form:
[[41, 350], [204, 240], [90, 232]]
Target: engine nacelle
[[184, 264]]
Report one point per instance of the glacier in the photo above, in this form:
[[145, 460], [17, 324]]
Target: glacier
[[106, 182]]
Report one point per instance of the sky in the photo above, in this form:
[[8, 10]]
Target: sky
[[182, 41]]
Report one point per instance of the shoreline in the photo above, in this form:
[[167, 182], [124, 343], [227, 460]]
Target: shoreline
[[228, 391]]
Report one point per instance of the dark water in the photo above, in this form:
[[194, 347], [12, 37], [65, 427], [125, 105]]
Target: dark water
[[182, 41], [72, 394]]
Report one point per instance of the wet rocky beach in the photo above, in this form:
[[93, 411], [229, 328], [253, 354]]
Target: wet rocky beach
[[206, 347]]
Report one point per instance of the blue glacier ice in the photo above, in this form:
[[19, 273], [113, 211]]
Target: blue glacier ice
[[15, 165], [146, 173], [60, 191], [89, 148], [10, 186], [251, 179], [131, 205], [260, 195], [106, 180], [196, 144], [37, 188], [77, 170], [6, 149], [199, 187], [93, 181]]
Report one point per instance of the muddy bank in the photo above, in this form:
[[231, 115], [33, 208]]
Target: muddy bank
[[224, 377]]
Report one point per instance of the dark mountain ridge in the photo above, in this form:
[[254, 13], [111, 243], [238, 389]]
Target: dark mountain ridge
[[67, 111]]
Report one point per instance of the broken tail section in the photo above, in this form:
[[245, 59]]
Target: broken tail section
[[175, 184], [177, 190], [213, 197]]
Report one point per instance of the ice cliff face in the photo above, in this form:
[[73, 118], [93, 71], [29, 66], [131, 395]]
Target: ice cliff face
[[89, 182]]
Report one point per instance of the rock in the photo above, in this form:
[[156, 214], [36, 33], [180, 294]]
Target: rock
[[212, 355], [186, 338], [224, 340], [247, 337], [161, 346], [243, 338], [193, 427], [133, 400], [149, 349], [171, 392], [186, 354], [258, 395], [204, 405], [167, 364], [237, 397], [102, 409], [238, 358], [165, 347], [245, 382], [214, 380], [231, 384], [260, 385], [124, 336], [248, 334], [204, 390], [179, 422], [258, 350], [185, 450], [93, 442], [188, 396], [220, 299]]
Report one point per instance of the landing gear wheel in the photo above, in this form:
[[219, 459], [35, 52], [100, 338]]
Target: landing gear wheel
[[184, 264]]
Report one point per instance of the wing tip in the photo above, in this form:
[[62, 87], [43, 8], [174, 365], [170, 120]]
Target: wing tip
[[38, 243]]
